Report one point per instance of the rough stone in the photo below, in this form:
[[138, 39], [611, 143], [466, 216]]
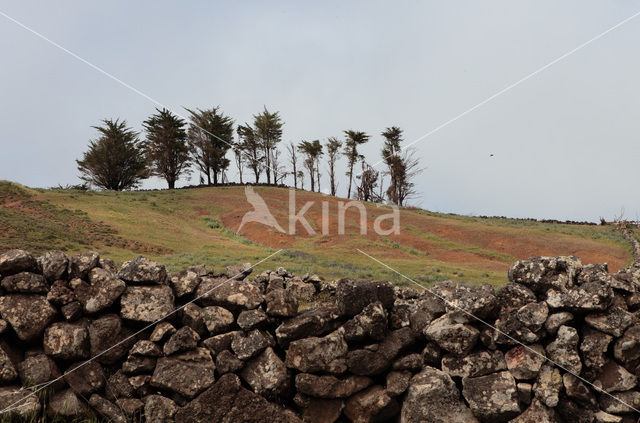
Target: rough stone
[[37, 369], [311, 322], [555, 320], [548, 385], [118, 386], [577, 389], [221, 342], [131, 407], [85, 377], [54, 265], [81, 264], [252, 319], [159, 409], [161, 331], [615, 378], [184, 339], [620, 402], [476, 364], [25, 283], [20, 400], [187, 374], [109, 341], [71, 311], [330, 386], [433, 397], [353, 296], [564, 349], [544, 273], [146, 303], [231, 294], [590, 296], [319, 410], [614, 321], [16, 261], [492, 397], [367, 362], [251, 344], [59, 294], [397, 382], [627, 348], [28, 315], [281, 303], [525, 362], [65, 404], [300, 290], [217, 319], [66, 341], [326, 354], [107, 409], [227, 362], [103, 291], [184, 282], [8, 372], [593, 347], [479, 301], [370, 323], [538, 413], [266, 374], [453, 333], [371, 405], [143, 271], [533, 315]]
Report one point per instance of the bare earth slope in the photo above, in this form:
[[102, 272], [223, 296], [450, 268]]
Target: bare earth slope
[[198, 225]]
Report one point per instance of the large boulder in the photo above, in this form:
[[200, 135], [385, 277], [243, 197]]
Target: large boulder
[[103, 291], [16, 261], [146, 303], [492, 398], [326, 354], [186, 374], [231, 294], [233, 403], [433, 397], [28, 315], [544, 273], [353, 296], [143, 271]]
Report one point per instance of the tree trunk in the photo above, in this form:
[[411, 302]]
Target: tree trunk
[[215, 177], [208, 176], [171, 182], [350, 178]]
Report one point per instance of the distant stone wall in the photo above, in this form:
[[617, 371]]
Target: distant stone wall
[[139, 344]]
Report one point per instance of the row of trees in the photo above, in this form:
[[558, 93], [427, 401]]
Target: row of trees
[[172, 148]]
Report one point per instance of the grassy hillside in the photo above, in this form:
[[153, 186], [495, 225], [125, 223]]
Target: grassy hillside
[[191, 226]]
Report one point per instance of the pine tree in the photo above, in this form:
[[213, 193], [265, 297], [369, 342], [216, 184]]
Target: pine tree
[[210, 137]]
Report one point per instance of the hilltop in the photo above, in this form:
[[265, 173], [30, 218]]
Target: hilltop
[[198, 225]]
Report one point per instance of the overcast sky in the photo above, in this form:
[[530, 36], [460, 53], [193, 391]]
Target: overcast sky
[[565, 142]]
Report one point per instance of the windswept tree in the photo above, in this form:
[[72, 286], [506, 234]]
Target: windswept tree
[[312, 151], [291, 148], [251, 148], [391, 157], [115, 160], [166, 147], [268, 130], [210, 137], [239, 159], [368, 182], [406, 167], [333, 151], [353, 140]]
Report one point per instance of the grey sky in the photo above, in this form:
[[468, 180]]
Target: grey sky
[[565, 142]]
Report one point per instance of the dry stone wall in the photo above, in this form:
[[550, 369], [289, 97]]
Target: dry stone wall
[[559, 343]]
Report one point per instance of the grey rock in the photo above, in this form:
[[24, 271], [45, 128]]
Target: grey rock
[[145, 348], [66, 341], [590, 296], [371, 405], [159, 409], [251, 344], [25, 283], [301, 291], [21, 402], [217, 319], [162, 330], [107, 409], [479, 301], [370, 323], [330, 386], [533, 315], [433, 397], [101, 293], [16, 261], [146, 303], [492, 398], [281, 303], [231, 294], [184, 282], [544, 273], [184, 339], [578, 390], [221, 342], [81, 264], [372, 362], [353, 296], [593, 347], [627, 348], [59, 293], [118, 386], [227, 362], [252, 319], [452, 333], [476, 364], [548, 385], [238, 271], [28, 315], [54, 265], [620, 402], [555, 320], [313, 354], [143, 271], [614, 321], [525, 362], [538, 413], [186, 374], [266, 374], [615, 378], [311, 322], [564, 349]]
